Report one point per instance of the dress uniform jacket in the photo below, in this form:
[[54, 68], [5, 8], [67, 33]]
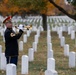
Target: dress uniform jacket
[[11, 42]]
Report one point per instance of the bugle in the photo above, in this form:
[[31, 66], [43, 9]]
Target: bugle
[[28, 27]]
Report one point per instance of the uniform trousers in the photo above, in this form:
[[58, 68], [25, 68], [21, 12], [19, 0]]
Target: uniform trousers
[[13, 59]]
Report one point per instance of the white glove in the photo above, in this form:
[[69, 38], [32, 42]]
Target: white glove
[[21, 26]]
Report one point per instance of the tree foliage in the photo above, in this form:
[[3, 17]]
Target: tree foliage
[[32, 6], [42, 7]]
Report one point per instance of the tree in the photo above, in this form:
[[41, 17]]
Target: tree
[[41, 7], [73, 16], [3, 7]]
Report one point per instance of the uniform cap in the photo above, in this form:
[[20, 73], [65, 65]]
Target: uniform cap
[[7, 19]]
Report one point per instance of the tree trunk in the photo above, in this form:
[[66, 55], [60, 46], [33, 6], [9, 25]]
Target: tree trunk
[[44, 22]]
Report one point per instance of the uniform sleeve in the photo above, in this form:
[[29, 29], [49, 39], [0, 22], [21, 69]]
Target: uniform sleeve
[[11, 35]]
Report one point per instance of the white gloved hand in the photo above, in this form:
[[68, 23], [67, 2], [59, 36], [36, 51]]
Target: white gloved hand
[[21, 26]]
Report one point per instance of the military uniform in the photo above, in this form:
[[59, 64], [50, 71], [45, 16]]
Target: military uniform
[[11, 45]]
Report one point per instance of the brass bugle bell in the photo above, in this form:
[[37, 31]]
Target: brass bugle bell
[[25, 27]]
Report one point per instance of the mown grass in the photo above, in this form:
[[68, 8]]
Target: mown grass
[[39, 65]]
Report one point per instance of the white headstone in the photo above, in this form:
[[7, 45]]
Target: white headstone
[[35, 46], [57, 29], [49, 46], [69, 30], [47, 72], [24, 38], [0, 49], [0, 55], [41, 28], [48, 33], [11, 69], [31, 54], [50, 54], [72, 34], [20, 45], [50, 64], [28, 33], [38, 33], [48, 39], [72, 59], [51, 72], [3, 39], [36, 38], [60, 33], [62, 41], [2, 32], [66, 50], [24, 64], [3, 61], [48, 27]]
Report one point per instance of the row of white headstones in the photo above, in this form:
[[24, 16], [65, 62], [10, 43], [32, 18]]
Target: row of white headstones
[[11, 68], [50, 59], [30, 57], [25, 58], [72, 55], [37, 19]]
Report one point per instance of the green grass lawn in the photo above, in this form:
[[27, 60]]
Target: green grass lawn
[[39, 65]]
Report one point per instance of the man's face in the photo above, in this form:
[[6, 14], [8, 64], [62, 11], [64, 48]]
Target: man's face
[[9, 24]]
